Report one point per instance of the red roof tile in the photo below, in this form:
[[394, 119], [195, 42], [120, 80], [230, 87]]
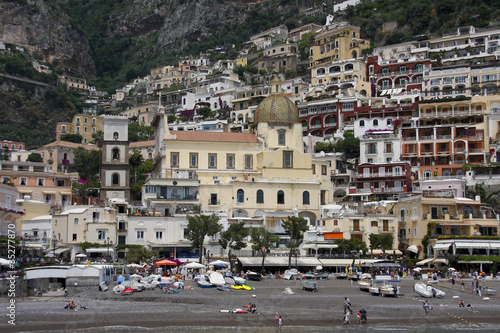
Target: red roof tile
[[215, 136]]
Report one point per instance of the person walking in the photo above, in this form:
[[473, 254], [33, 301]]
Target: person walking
[[347, 320], [463, 285], [347, 305], [363, 316], [280, 324], [427, 308]]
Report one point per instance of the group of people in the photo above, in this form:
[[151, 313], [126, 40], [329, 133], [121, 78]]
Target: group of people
[[70, 305], [252, 308], [361, 315]]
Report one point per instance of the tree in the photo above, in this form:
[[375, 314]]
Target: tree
[[141, 255], [381, 241], [34, 157], [349, 145], [200, 226], [351, 246], [98, 138], [233, 239], [486, 198], [76, 138], [295, 227], [137, 132], [84, 191], [135, 160], [87, 163], [262, 241]]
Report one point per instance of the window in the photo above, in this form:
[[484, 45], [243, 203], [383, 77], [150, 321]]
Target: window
[[314, 169], [212, 161], [230, 161], [414, 232], [63, 128], [281, 197], [41, 181], [260, 196], [101, 234], [248, 161], [115, 179], [240, 196], [74, 237], [375, 122], [305, 198], [361, 123], [116, 154], [140, 234], [75, 221], [281, 138], [193, 160], [287, 159], [159, 235], [60, 182], [174, 160], [23, 181], [213, 198], [323, 170], [115, 135], [374, 223], [397, 171]]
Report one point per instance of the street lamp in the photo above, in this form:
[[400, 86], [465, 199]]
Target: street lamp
[[108, 242], [54, 241]]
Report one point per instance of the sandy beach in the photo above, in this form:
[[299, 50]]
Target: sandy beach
[[198, 310]]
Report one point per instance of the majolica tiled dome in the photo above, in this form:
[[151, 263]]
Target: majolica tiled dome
[[276, 108]]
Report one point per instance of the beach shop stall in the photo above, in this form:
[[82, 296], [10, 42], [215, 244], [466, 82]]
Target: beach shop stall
[[277, 264]]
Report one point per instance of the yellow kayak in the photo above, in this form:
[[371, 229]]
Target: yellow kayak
[[242, 287]]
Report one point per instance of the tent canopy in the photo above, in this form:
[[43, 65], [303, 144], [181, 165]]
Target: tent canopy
[[219, 263], [165, 262], [412, 248], [194, 265]]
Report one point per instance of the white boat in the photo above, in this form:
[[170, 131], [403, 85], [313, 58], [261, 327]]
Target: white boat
[[375, 288], [216, 279], [427, 291], [364, 284], [239, 280], [292, 274]]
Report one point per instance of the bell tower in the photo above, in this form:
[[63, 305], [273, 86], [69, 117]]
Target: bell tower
[[115, 168]]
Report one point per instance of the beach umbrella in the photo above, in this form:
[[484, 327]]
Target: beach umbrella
[[194, 265], [81, 255], [418, 269], [451, 269], [134, 265], [219, 263], [319, 268], [412, 248], [165, 262]]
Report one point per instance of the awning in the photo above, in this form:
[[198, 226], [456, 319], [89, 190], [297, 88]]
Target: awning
[[412, 248], [66, 193], [99, 250], [346, 262], [443, 246], [24, 191], [34, 246], [384, 264], [279, 261], [309, 246], [425, 261], [468, 245], [327, 246], [49, 192], [440, 260], [58, 250], [475, 262]]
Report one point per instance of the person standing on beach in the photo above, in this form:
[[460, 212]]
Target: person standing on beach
[[427, 308], [463, 285]]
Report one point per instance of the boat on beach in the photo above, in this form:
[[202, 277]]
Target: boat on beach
[[309, 286], [427, 291], [253, 276], [375, 288], [390, 289], [204, 284], [292, 274]]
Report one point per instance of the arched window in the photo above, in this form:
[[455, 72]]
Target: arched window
[[305, 198], [115, 179], [260, 196], [240, 195], [354, 54], [115, 135], [281, 197], [361, 123], [375, 122], [116, 154]]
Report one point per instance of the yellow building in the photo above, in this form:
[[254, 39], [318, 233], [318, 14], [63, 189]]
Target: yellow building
[[83, 124], [261, 178], [446, 215], [339, 41]]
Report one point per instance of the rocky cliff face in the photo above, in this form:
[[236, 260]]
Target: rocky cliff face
[[157, 26], [36, 26]]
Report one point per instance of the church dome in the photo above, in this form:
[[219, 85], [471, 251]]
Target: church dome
[[276, 108]]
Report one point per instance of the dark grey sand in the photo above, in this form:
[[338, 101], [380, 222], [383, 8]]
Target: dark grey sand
[[197, 310]]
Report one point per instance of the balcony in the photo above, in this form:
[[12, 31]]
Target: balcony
[[356, 230], [382, 230], [428, 137], [476, 151], [444, 137], [330, 124], [370, 151]]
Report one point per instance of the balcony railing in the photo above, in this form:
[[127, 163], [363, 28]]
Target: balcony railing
[[359, 229], [385, 230]]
